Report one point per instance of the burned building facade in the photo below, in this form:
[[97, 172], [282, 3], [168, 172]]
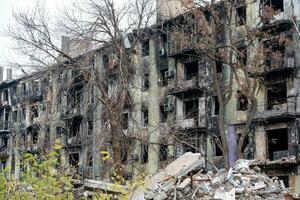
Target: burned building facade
[[173, 108]]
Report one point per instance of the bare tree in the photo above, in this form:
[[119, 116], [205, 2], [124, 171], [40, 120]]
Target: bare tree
[[210, 30], [113, 29]]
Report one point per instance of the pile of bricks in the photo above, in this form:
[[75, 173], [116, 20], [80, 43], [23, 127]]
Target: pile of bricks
[[240, 182]]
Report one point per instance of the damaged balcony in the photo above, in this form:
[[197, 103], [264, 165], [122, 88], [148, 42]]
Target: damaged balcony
[[192, 118], [30, 95], [73, 139], [191, 82], [277, 109], [283, 65], [183, 48]]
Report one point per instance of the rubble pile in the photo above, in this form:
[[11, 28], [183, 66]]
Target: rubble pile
[[240, 182]]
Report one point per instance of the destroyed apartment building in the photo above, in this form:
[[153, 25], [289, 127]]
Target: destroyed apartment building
[[175, 96]]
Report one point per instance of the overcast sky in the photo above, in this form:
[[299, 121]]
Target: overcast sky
[[6, 7]]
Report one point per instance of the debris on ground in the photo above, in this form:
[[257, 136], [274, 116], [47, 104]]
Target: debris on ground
[[182, 181]]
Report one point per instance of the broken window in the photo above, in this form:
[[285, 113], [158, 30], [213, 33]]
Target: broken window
[[218, 151], [24, 88], [3, 165], [145, 117], [163, 152], [274, 52], [285, 180], [219, 66], [241, 15], [277, 143], [163, 42], [191, 70], [276, 95], [145, 82], [144, 152], [105, 58], [277, 5], [90, 127], [74, 159], [215, 105], [163, 114], [145, 48], [23, 113], [242, 101], [90, 159], [76, 96], [163, 78], [15, 116], [125, 122], [191, 108], [75, 128], [5, 95]]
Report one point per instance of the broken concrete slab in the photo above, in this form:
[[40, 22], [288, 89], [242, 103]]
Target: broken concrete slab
[[167, 178]]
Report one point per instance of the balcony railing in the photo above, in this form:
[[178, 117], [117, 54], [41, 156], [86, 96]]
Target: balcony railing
[[288, 62], [277, 108], [183, 45], [191, 83], [188, 122], [30, 94]]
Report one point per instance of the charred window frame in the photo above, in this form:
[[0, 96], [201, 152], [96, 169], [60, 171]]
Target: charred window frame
[[241, 15], [5, 95], [242, 101], [163, 78], [191, 70], [219, 66], [90, 127], [146, 82], [215, 105], [90, 159], [163, 114], [276, 94], [15, 116], [278, 144], [145, 116], [191, 108], [144, 152], [74, 159], [145, 48]]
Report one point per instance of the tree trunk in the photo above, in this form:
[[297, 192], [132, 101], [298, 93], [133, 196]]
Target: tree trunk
[[232, 146]]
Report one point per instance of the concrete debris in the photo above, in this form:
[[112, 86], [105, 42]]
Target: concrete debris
[[240, 182]]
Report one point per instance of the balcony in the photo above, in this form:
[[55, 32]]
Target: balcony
[[277, 109], [31, 95], [183, 47], [273, 67], [186, 123], [5, 126], [189, 85]]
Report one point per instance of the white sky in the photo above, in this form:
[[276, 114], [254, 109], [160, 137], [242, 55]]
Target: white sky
[[6, 8]]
